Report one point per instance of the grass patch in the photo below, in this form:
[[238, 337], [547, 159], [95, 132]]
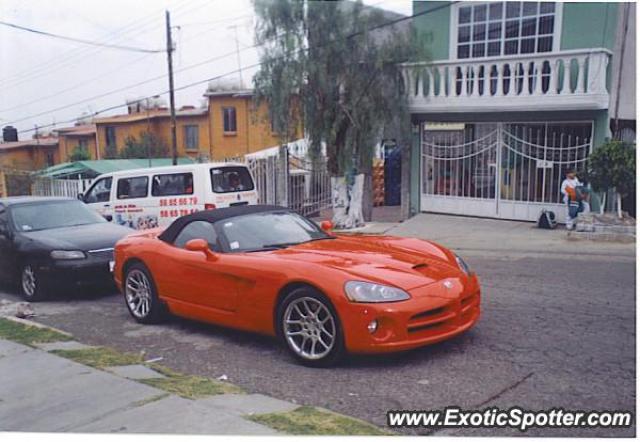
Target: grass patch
[[312, 421], [187, 386], [99, 357], [150, 400], [29, 334]]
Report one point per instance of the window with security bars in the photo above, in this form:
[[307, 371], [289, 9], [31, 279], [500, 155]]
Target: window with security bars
[[504, 28]]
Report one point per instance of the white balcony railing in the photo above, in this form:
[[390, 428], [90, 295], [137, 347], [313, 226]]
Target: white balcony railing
[[562, 80]]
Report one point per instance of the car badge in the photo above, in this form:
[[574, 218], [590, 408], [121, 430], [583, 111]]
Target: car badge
[[448, 284]]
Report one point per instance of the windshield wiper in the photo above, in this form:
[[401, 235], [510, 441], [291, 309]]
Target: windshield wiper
[[282, 245]]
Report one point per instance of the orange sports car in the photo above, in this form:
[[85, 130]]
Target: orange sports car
[[269, 270]]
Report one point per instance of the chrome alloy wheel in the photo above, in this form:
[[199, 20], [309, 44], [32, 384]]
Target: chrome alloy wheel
[[29, 281], [138, 293], [309, 328]]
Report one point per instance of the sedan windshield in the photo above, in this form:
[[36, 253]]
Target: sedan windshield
[[52, 215], [267, 231]]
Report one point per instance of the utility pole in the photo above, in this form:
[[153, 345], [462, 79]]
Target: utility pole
[[172, 99], [235, 30]]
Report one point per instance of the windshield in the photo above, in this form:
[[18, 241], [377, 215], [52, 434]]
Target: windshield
[[51, 215], [266, 231]]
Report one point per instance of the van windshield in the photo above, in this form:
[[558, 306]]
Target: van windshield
[[230, 179]]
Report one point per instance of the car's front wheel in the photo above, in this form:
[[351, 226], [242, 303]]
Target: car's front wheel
[[310, 328], [141, 295], [31, 283]]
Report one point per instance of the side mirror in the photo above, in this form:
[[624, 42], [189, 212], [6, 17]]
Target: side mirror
[[200, 245], [326, 225], [81, 196], [108, 217]]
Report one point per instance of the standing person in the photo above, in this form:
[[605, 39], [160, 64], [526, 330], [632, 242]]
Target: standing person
[[569, 191]]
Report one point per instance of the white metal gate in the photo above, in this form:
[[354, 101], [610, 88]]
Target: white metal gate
[[499, 170]]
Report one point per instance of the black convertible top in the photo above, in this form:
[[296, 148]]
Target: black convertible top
[[169, 235]]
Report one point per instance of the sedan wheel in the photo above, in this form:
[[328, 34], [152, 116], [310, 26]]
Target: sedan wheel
[[140, 295], [32, 289], [310, 328]]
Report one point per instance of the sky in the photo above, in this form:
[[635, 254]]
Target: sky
[[50, 82]]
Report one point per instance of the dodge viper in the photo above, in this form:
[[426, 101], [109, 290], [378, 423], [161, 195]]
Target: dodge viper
[[269, 270]]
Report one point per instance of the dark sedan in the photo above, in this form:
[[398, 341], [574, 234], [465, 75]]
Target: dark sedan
[[46, 243]]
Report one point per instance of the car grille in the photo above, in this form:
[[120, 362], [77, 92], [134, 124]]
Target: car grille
[[446, 317], [106, 254]]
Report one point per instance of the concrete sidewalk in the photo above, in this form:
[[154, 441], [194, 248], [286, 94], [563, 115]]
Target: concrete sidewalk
[[40, 391], [480, 236]]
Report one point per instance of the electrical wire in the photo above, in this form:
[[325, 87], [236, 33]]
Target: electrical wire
[[80, 40], [207, 80]]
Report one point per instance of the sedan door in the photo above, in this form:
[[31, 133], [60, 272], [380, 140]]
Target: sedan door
[[6, 246]]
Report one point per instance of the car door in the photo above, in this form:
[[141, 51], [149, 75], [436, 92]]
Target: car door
[[194, 278], [7, 257], [98, 197]]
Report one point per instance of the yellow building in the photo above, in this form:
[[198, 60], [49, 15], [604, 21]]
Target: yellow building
[[192, 130], [29, 154], [77, 138], [237, 126]]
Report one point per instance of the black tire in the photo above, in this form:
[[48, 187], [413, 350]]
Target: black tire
[[32, 285], [311, 329], [155, 311]]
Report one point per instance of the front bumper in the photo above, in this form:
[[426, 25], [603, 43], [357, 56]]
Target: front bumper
[[89, 271], [433, 314]]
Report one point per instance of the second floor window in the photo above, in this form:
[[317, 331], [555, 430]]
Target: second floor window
[[191, 137], [504, 28], [110, 135], [229, 119]]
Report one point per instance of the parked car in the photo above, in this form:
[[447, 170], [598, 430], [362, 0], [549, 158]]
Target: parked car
[[47, 242], [269, 270], [152, 197]]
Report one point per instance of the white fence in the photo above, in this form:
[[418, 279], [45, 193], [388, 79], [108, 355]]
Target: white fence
[[55, 187]]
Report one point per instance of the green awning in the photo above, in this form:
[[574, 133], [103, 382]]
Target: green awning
[[93, 168]]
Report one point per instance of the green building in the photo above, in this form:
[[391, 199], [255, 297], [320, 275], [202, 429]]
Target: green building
[[512, 95]]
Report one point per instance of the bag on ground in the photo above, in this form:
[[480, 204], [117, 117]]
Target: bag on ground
[[547, 220]]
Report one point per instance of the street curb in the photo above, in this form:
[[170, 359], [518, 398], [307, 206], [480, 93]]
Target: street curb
[[35, 324]]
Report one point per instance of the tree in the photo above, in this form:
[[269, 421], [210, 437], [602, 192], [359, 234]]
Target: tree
[[79, 154], [148, 146], [613, 166], [324, 69]]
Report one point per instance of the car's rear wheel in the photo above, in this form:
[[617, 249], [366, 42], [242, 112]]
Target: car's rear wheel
[[31, 284], [310, 328], [141, 296]]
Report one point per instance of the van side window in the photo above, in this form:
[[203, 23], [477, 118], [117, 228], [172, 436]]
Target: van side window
[[198, 230], [136, 187], [231, 179], [172, 184], [100, 191]]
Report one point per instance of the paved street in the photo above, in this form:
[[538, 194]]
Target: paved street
[[556, 331]]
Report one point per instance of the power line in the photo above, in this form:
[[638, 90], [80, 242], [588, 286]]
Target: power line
[[120, 67], [199, 82], [138, 26], [80, 40]]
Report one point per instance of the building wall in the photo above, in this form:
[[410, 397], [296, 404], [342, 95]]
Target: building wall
[[68, 143], [30, 157], [433, 28], [588, 25], [160, 127], [253, 128]]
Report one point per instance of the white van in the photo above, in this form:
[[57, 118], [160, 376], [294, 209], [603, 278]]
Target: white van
[[152, 197]]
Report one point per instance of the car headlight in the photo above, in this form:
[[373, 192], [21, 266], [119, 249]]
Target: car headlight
[[359, 291], [463, 265], [68, 254]]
